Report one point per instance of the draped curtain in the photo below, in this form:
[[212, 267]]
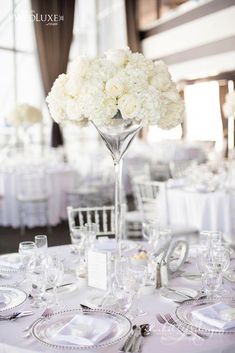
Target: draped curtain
[[53, 37], [133, 38]]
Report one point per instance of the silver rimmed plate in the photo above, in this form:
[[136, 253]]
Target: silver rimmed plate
[[184, 314], [10, 263], [77, 329], [11, 297]]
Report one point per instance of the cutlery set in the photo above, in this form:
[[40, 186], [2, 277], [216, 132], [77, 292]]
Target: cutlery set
[[133, 344], [185, 329], [16, 315]]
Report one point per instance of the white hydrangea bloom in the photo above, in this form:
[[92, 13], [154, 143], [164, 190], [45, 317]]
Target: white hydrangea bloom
[[24, 115], [95, 89]]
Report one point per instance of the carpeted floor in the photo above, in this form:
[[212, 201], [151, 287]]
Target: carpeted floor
[[10, 237]]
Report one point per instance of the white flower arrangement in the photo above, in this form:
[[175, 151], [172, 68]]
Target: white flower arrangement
[[96, 89], [229, 105], [24, 115]]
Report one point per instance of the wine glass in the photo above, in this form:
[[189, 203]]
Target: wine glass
[[91, 230], [27, 251], [77, 235], [212, 281], [55, 274], [41, 245], [38, 283], [120, 284], [136, 280]]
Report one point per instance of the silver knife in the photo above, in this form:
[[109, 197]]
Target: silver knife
[[180, 293], [132, 345], [62, 285], [129, 341]]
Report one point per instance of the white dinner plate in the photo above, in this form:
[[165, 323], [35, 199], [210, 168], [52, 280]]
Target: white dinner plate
[[171, 295], [11, 297], [10, 262]]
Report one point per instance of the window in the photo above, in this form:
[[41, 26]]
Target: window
[[203, 122], [20, 77]]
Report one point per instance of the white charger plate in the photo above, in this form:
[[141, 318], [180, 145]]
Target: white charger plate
[[13, 297]]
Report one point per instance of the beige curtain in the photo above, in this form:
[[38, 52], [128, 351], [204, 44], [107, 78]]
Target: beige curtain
[[54, 31]]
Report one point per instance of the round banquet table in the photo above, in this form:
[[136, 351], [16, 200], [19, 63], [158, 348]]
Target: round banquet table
[[11, 332], [59, 178], [204, 211]]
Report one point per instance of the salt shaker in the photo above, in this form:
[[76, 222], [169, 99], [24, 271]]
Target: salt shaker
[[158, 276], [164, 273]]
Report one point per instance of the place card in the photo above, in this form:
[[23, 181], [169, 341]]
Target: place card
[[97, 269]]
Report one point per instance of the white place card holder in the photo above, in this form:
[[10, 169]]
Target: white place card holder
[[177, 254], [97, 269]]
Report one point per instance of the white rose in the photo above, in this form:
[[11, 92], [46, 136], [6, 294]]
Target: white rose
[[129, 106], [117, 56], [160, 81], [80, 66], [114, 87]]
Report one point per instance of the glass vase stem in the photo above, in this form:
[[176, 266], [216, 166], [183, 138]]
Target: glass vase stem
[[118, 199]]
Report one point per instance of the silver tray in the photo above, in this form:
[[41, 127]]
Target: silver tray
[[13, 297]]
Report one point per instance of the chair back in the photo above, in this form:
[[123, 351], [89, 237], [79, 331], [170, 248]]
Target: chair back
[[152, 199], [102, 216]]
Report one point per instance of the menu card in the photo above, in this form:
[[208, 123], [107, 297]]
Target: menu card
[[97, 269]]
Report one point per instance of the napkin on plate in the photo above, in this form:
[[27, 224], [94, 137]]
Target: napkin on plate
[[85, 330], [213, 315]]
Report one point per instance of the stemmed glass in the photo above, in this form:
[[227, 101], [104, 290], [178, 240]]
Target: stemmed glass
[[41, 245], [91, 230], [77, 235], [55, 274], [27, 252], [120, 285], [136, 280], [39, 282]]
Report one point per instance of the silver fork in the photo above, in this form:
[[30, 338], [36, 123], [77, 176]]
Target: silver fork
[[46, 313], [164, 321], [171, 321], [10, 316]]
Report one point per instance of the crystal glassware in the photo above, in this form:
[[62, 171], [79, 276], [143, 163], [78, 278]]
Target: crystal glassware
[[41, 245], [91, 232], [136, 280], [39, 281], [55, 274], [212, 281], [27, 251]]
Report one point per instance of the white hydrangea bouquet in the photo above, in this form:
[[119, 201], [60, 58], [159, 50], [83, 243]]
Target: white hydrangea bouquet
[[229, 105], [24, 115], [119, 93], [96, 89]]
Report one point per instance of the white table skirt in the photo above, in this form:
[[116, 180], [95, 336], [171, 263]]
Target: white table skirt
[[12, 340], [204, 211], [58, 180]]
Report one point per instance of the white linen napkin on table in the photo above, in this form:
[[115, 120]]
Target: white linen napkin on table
[[85, 330], [12, 261], [213, 316]]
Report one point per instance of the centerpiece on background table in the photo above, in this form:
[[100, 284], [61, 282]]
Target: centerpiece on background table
[[24, 116], [118, 93]]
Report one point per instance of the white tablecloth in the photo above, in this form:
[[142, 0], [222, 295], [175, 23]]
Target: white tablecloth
[[204, 211], [163, 341], [59, 179]]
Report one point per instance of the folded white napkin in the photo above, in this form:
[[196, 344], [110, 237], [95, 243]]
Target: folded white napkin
[[106, 244], [213, 315], [12, 261], [85, 330]]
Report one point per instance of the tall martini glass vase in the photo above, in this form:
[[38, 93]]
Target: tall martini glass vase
[[117, 138]]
